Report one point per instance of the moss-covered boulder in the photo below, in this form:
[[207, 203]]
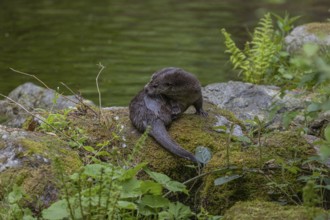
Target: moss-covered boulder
[[259, 210], [263, 165], [311, 33], [27, 160]]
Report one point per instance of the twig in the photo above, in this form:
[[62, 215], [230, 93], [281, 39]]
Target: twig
[[31, 75], [78, 97], [98, 89]]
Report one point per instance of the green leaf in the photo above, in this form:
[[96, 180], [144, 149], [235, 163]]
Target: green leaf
[[310, 49], [203, 154], [133, 171], [57, 210], [155, 201], [327, 133], [94, 170], [15, 195], [103, 153], [244, 139], [167, 183], [226, 179], [127, 205], [325, 151], [158, 177], [131, 188], [89, 149], [175, 186], [164, 215], [313, 107], [179, 211], [151, 187]]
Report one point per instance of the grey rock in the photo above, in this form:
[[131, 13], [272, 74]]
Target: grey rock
[[31, 97], [312, 33], [223, 121], [10, 148], [247, 100]]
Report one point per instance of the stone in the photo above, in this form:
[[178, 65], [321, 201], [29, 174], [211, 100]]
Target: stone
[[311, 33], [248, 101]]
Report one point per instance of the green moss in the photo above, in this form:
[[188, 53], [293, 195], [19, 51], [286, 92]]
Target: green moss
[[260, 180], [3, 118], [50, 148], [255, 210], [318, 28]]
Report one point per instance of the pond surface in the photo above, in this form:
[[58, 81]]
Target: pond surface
[[63, 41]]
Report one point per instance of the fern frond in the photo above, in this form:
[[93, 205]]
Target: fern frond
[[237, 57]]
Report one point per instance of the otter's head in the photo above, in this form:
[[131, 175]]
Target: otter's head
[[168, 81]]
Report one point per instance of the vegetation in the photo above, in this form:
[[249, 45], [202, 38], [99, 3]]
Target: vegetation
[[119, 183]]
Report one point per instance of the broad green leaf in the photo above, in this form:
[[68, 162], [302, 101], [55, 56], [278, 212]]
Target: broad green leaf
[[15, 195], [313, 107], [310, 49], [244, 139], [131, 188], [179, 211], [226, 179], [155, 201], [94, 170], [327, 133], [127, 205], [89, 149], [158, 177], [146, 210], [167, 183], [56, 211], [175, 186], [203, 154], [325, 151], [151, 187], [164, 215], [133, 171], [103, 153]]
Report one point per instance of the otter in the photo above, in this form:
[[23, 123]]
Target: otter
[[168, 94]]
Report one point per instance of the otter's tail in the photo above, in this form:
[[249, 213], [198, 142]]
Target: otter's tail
[[160, 134]]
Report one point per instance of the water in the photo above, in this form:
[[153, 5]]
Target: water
[[63, 41]]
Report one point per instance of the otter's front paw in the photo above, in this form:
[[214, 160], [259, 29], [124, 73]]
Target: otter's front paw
[[202, 113]]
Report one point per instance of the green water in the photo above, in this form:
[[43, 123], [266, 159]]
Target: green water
[[62, 41]]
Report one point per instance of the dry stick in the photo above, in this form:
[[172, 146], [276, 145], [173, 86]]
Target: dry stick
[[41, 119], [78, 97], [17, 71], [98, 89]]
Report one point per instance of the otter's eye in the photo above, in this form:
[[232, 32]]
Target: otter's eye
[[168, 84], [155, 86]]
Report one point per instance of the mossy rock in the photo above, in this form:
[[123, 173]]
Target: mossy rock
[[31, 166], [259, 177], [310, 33], [259, 210], [271, 177]]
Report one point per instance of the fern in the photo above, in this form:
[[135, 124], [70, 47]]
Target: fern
[[258, 57], [237, 58]]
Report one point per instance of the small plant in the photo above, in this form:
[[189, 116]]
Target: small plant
[[263, 59], [12, 208], [259, 56], [104, 191]]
